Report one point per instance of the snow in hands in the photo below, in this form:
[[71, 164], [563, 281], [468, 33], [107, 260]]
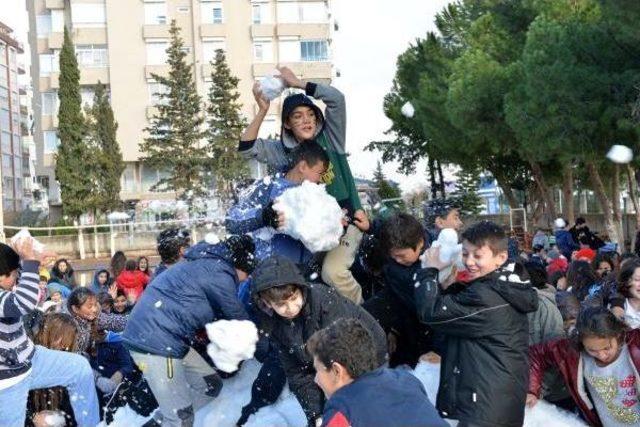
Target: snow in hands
[[232, 341]]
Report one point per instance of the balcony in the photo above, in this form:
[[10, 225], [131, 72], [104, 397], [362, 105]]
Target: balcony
[[213, 30], [155, 32], [305, 31], [262, 30], [161, 70], [90, 35], [21, 69], [306, 70], [91, 76], [55, 40], [263, 68], [54, 4], [50, 122]]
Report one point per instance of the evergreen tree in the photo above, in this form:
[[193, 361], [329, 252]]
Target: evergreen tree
[[175, 136], [385, 189], [73, 160], [466, 193], [109, 165], [225, 127]]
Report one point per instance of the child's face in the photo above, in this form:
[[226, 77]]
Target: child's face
[[562, 284], [406, 256], [302, 123], [63, 267], [8, 281], [106, 307], [312, 173], [634, 284], [289, 308], [56, 297], [326, 378], [102, 278], [604, 350], [452, 220], [480, 260], [603, 269], [88, 310], [120, 304], [143, 264]]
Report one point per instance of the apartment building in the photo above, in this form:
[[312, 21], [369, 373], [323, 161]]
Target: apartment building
[[16, 193], [122, 42]]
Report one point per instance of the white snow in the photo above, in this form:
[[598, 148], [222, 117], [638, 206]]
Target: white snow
[[450, 252], [126, 417], [55, 419], [232, 341], [620, 154], [311, 216], [24, 234], [271, 87], [211, 238], [158, 304], [408, 110]]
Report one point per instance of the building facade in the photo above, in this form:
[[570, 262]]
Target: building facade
[[121, 43]]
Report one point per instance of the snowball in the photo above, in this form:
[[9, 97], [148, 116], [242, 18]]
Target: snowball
[[211, 238], [54, 419], [271, 87], [559, 223], [158, 304], [311, 216], [232, 341], [620, 154], [24, 234], [408, 110], [450, 252]]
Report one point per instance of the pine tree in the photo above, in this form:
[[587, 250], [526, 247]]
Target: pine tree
[[73, 160], [466, 193], [175, 136], [109, 164], [225, 127], [385, 189]]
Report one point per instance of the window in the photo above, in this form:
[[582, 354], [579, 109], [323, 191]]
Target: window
[[256, 13], [3, 54], [209, 47], [288, 12], [49, 63], [211, 12], [17, 167], [57, 21], [129, 179], [88, 14], [4, 120], [6, 142], [51, 141], [7, 165], [155, 91], [49, 103], [43, 25], [263, 50], [289, 50], [150, 177], [92, 56], [87, 94], [157, 52], [4, 94], [313, 12], [314, 51], [155, 13]]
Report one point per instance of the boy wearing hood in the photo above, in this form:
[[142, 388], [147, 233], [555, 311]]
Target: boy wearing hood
[[291, 310], [484, 373], [182, 301], [303, 121]]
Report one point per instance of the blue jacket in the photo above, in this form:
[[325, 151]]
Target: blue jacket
[[384, 397], [183, 300], [246, 217], [112, 357], [565, 243]]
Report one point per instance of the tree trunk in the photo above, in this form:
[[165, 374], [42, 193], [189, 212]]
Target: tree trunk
[[568, 210], [508, 194], [432, 179], [613, 227], [633, 194], [441, 178], [545, 191]]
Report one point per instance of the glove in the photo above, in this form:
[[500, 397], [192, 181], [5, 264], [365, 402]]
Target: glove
[[270, 216], [106, 385], [214, 385]]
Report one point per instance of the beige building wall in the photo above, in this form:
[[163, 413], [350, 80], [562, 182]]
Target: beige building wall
[[256, 35]]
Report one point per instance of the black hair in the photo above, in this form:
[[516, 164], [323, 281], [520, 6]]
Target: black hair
[[537, 274], [537, 248], [118, 261], [56, 268], [580, 220], [278, 294], [311, 152], [627, 255], [580, 276], [438, 208], [598, 322], [9, 260], [487, 233], [346, 342], [169, 243], [555, 277], [131, 265], [626, 273], [568, 305], [242, 250], [401, 231], [602, 257], [105, 298], [78, 297]]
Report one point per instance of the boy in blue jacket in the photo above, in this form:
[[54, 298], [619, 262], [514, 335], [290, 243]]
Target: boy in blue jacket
[[359, 393]]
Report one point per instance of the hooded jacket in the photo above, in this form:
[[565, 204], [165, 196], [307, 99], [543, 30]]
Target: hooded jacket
[[322, 306], [565, 243], [330, 134], [483, 377], [67, 278], [95, 285], [132, 283], [183, 300]]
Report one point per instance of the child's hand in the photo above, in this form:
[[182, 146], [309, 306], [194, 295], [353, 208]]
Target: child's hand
[[361, 220], [531, 400], [289, 78], [113, 290], [431, 259], [263, 103]]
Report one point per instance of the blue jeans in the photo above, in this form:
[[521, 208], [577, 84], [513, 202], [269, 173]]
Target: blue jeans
[[50, 368]]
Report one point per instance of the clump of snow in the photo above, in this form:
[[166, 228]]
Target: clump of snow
[[232, 341], [158, 304], [54, 419], [118, 216], [407, 110], [271, 87], [450, 252], [24, 234], [211, 238], [620, 154], [311, 216], [126, 417]]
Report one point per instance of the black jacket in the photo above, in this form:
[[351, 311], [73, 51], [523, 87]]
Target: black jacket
[[323, 305], [484, 373]]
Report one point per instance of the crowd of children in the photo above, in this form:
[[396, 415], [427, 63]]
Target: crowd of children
[[509, 327]]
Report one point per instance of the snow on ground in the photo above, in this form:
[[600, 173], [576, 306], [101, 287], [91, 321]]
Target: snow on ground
[[224, 411]]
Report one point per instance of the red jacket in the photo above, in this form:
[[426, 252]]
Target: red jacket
[[132, 283], [567, 359]]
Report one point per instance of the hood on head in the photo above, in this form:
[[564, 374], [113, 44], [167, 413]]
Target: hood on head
[[291, 103], [276, 271], [514, 286]]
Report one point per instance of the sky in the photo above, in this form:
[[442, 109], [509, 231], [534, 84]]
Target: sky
[[371, 35]]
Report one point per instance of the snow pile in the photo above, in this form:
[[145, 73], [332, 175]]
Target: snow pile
[[407, 110], [232, 341], [24, 234], [450, 252], [271, 87], [620, 154], [311, 216]]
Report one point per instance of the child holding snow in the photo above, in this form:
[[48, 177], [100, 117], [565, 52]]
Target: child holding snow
[[255, 213], [360, 393], [291, 310], [599, 367], [484, 367], [303, 121]]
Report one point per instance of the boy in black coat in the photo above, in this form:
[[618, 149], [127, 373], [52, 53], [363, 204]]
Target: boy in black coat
[[291, 311]]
